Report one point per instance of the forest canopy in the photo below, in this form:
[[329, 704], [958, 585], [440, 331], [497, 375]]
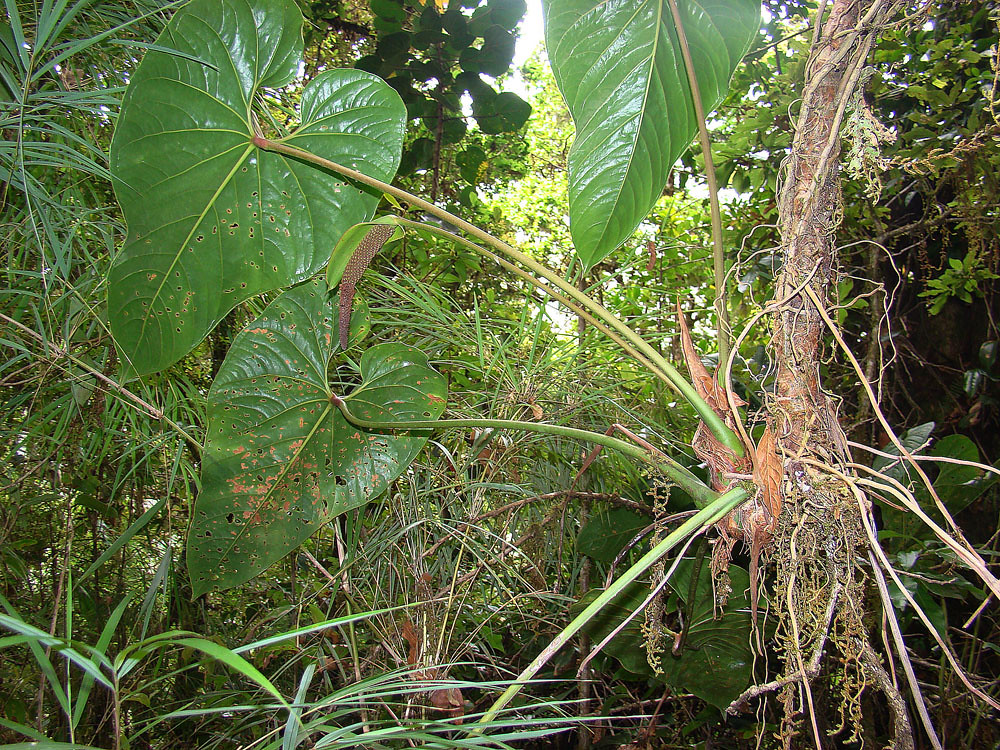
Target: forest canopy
[[372, 379]]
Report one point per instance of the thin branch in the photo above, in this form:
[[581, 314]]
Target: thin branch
[[897, 637], [811, 668], [902, 732], [934, 459], [113, 384]]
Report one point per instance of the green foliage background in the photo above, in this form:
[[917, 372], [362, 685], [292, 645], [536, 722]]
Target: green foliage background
[[479, 539]]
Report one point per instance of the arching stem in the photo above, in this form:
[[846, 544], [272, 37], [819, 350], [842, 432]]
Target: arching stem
[[700, 493], [561, 299], [714, 422]]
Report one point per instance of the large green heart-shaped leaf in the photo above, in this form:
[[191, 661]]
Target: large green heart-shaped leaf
[[281, 460], [618, 65], [715, 663], [212, 219]]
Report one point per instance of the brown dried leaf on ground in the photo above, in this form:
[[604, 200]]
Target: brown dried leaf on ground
[[413, 639], [449, 701]]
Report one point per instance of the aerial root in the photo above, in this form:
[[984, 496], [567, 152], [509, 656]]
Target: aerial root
[[810, 671], [819, 550], [902, 732]]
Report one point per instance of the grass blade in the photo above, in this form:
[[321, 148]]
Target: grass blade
[[102, 647], [291, 739]]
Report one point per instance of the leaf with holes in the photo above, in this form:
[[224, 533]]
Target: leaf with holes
[[281, 460], [618, 64], [212, 219]]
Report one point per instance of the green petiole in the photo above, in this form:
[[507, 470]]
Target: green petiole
[[715, 423], [699, 492]]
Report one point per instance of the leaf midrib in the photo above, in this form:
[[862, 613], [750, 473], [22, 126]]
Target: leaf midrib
[[194, 228], [642, 114], [279, 478]]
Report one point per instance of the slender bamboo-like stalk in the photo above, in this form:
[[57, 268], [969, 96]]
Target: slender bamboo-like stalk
[[723, 330], [113, 384]]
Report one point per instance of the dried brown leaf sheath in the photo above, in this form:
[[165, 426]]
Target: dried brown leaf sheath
[[700, 379], [720, 459], [767, 473]]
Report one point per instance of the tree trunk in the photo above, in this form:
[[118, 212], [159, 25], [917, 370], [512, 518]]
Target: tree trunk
[[808, 218], [820, 542]]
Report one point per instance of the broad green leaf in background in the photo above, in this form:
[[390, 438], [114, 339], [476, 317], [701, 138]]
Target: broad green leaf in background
[[619, 67], [627, 647], [606, 534], [957, 485], [280, 459], [716, 662], [913, 440], [212, 219]]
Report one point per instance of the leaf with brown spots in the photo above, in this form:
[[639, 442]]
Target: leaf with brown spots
[[212, 218], [281, 460]]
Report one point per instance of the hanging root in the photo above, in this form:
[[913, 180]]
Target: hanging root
[[819, 599], [821, 546]]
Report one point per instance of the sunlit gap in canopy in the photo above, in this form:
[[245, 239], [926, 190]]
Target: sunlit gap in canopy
[[530, 33]]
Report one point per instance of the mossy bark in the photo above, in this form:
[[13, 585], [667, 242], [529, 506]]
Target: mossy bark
[[819, 545]]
